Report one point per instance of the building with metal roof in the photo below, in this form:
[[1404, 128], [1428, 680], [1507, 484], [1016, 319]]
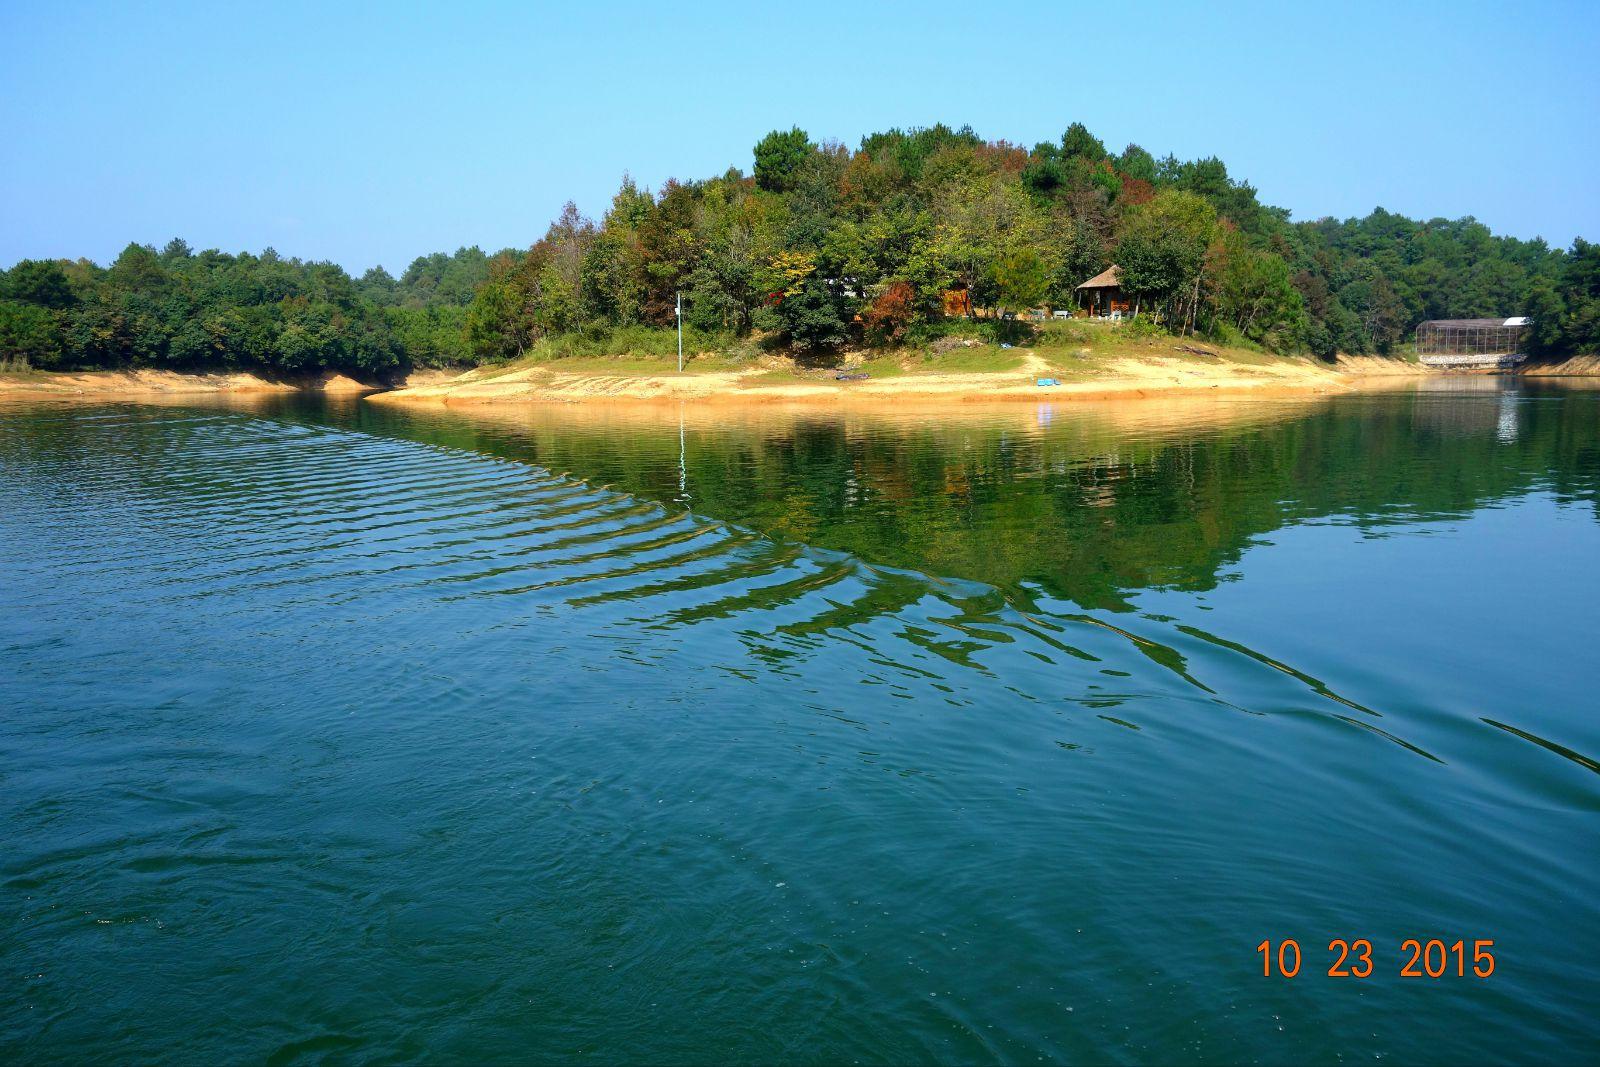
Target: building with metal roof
[[1472, 343]]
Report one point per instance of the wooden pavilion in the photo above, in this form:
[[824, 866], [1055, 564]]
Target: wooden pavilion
[[1101, 297]]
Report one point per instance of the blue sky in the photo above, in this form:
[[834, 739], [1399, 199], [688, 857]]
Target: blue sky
[[372, 134]]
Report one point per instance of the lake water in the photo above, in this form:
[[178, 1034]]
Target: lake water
[[334, 731]]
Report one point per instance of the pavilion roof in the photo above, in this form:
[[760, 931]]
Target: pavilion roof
[[1109, 278]]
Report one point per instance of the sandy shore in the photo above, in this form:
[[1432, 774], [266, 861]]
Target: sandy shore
[[1118, 378], [1144, 375], [146, 382], [1576, 367], [135, 383]]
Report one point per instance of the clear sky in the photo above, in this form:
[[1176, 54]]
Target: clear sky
[[372, 134]]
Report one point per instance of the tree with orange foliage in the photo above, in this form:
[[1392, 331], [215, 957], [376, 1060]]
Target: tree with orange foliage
[[890, 313]]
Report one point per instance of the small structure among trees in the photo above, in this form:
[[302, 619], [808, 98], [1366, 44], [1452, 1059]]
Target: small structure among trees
[[1102, 296], [1472, 342], [956, 302]]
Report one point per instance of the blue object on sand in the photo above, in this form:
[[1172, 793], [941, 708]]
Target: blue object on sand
[[1048, 381]]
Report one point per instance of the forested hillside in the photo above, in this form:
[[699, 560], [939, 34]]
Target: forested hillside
[[822, 247]]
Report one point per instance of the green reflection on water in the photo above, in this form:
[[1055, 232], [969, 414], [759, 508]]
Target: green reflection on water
[[1085, 501]]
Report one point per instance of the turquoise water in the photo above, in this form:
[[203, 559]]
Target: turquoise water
[[334, 731]]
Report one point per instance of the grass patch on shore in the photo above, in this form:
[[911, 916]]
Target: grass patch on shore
[[1077, 343], [983, 359], [633, 365], [651, 347]]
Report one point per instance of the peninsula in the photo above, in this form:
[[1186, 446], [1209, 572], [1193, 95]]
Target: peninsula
[[926, 260]]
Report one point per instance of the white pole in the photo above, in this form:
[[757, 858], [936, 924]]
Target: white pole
[[679, 313]]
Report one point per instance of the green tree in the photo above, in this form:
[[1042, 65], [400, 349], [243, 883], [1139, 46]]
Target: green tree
[[1549, 313], [1378, 311], [378, 287], [497, 329], [1253, 293], [1044, 176], [1580, 291], [1017, 280], [1162, 254], [37, 281], [1136, 163], [815, 317], [31, 333], [723, 293], [779, 156], [552, 303], [1079, 143]]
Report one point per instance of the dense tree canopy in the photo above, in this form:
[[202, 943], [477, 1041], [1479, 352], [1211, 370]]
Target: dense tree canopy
[[820, 247], [181, 309], [824, 246]]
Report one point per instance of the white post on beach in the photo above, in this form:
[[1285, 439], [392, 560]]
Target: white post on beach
[[679, 313]]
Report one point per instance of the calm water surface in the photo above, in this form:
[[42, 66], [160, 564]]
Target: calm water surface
[[331, 731]]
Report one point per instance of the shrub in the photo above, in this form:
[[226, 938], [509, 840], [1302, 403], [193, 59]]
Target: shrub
[[1225, 333], [1143, 328], [924, 333], [1016, 332], [1059, 334]]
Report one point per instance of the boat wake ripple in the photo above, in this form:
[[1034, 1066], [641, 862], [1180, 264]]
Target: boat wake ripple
[[271, 523]]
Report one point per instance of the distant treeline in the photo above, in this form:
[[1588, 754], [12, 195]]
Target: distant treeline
[[181, 309], [820, 247]]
